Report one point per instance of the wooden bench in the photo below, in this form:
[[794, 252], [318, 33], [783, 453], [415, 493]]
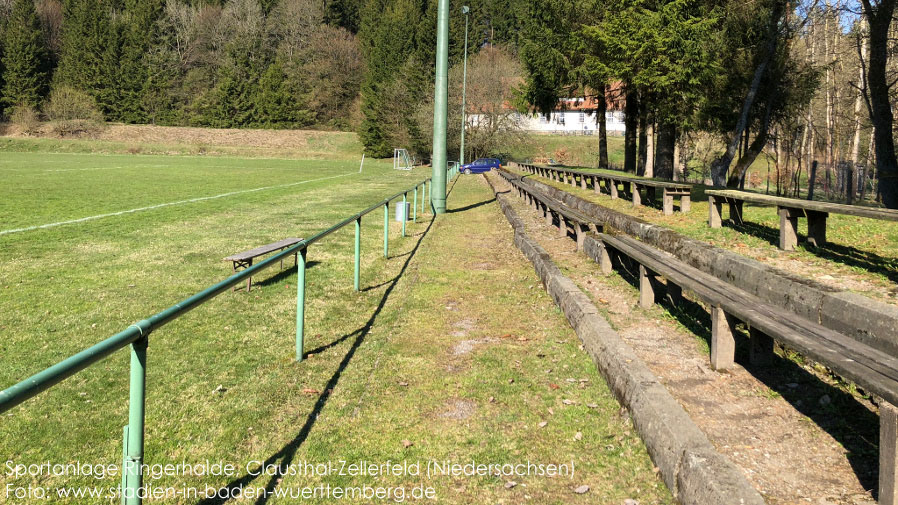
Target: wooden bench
[[614, 185], [873, 370], [789, 210], [245, 259], [552, 209]]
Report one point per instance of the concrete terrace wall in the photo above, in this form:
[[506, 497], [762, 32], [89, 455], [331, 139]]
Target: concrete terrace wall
[[866, 320]]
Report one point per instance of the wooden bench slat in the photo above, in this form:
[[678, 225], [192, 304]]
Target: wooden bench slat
[[794, 203], [265, 249]]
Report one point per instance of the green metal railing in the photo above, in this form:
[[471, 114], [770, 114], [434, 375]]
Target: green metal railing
[[137, 336]]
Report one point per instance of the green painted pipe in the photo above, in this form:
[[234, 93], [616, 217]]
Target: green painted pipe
[[300, 303], [404, 211], [358, 251], [135, 431], [415, 206], [386, 230], [423, 190]]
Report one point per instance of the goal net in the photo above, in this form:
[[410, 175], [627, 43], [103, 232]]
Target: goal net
[[401, 160]]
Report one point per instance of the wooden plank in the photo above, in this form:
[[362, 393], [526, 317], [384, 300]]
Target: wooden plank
[[265, 249], [794, 203]]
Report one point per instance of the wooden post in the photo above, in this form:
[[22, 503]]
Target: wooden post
[[888, 454], [788, 229], [714, 208], [646, 289], [605, 260], [667, 202], [760, 351], [723, 343], [816, 227]]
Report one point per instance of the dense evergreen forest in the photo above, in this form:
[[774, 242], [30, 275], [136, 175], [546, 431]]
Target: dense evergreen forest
[[800, 80]]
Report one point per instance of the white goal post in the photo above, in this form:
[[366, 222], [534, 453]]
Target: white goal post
[[401, 160]]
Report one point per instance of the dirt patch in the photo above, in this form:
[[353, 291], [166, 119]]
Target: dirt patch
[[797, 435], [466, 346], [459, 409]]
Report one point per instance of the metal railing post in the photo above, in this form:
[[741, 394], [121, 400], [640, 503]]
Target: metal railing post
[[423, 191], [132, 478], [415, 206], [358, 250], [300, 302], [404, 211], [387, 230]]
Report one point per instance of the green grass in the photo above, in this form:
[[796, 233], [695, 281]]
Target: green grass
[[66, 287]]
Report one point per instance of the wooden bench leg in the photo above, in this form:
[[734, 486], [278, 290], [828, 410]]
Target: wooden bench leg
[[816, 228], [760, 350], [605, 260], [613, 187], [667, 202], [596, 185], [788, 229], [723, 343], [637, 198], [674, 294], [714, 210], [548, 216], [685, 203], [888, 454], [582, 182], [646, 287], [736, 212], [562, 226], [581, 235]]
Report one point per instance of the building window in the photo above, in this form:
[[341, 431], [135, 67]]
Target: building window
[[582, 117]]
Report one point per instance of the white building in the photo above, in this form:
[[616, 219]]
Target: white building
[[573, 122]]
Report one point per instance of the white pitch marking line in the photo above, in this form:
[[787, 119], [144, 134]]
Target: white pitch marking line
[[168, 204]]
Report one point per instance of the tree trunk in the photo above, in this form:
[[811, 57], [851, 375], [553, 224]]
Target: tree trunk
[[754, 149], [878, 19], [650, 148], [643, 138], [664, 161], [601, 110], [721, 165], [631, 120]]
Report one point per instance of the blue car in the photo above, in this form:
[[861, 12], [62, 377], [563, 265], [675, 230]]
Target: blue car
[[481, 165]]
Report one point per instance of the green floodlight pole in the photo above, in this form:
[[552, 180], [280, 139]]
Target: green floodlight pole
[[464, 83], [440, 110]]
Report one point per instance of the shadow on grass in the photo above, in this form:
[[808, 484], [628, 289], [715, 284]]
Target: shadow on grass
[[835, 411], [284, 457], [837, 253], [472, 206], [283, 274]]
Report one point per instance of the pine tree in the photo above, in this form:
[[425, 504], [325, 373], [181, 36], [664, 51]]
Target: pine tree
[[25, 58], [88, 50], [139, 35]]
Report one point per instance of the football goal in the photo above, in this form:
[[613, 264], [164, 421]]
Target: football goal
[[401, 160]]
